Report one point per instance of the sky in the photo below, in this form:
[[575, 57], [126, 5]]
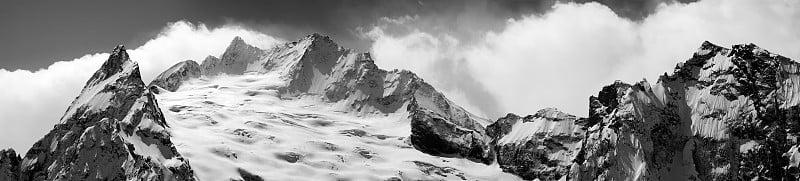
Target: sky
[[491, 57]]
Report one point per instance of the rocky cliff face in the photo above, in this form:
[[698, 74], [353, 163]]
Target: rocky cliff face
[[172, 78], [113, 130], [315, 65], [724, 114]]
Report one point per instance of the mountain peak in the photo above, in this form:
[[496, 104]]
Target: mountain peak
[[115, 63], [319, 39], [118, 48], [234, 60], [237, 41], [316, 36]]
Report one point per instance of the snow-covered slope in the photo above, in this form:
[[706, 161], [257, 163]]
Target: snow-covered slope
[[239, 127], [315, 66], [318, 91], [113, 130]]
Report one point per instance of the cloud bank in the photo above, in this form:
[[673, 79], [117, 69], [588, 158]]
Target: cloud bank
[[32, 101], [560, 58]]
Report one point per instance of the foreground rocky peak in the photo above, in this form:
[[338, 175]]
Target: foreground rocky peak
[[113, 130]]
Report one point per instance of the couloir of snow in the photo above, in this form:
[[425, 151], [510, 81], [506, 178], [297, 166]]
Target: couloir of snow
[[233, 125]]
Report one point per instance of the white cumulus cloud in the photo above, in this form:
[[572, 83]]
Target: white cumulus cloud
[[561, 57], [33, 101]]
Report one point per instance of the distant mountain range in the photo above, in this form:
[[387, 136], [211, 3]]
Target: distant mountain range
[[313, 110]]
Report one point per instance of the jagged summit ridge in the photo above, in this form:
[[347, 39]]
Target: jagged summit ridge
[[95, 96], [316, 66]]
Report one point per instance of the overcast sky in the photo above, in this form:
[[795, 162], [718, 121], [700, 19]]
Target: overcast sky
[[492, 57]]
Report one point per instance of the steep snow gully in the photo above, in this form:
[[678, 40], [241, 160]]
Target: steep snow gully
[[313, 110]]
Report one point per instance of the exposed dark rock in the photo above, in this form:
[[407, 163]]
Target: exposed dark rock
[[247, 176], [172, 78], [434, 134], [544, 150], [9, 165], [431, 169], [290, 157]]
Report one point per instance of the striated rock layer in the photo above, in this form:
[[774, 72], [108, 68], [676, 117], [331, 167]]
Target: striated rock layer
[[113, 130]]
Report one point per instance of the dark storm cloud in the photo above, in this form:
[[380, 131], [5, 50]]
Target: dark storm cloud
[[35, 34]]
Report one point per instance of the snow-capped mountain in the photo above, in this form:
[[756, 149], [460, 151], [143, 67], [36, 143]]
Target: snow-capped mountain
[[315, 106], [313, 110]]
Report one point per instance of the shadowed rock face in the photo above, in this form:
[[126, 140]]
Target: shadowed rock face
[[541, 146], [172, 78], [113, 130], [9, 165]]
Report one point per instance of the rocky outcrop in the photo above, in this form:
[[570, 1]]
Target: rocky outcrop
[[540, 146], [113, 130], [316, 66], [440, 127], [724, 114], [172, 78], [9, 164]]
